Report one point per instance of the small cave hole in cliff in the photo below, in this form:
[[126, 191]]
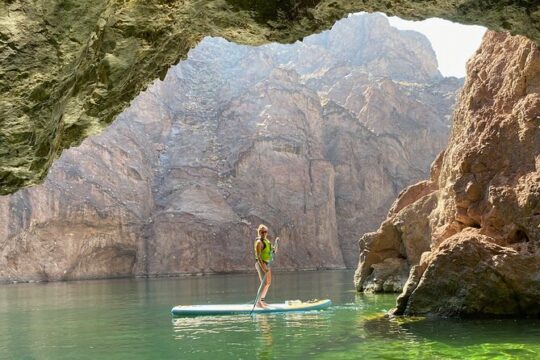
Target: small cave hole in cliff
[[314, 139], [518, 236]]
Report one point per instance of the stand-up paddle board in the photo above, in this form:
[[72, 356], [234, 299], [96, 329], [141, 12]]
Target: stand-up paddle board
[[234, 309]]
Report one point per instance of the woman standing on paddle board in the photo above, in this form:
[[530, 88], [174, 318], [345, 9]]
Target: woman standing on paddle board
[[263, 255]]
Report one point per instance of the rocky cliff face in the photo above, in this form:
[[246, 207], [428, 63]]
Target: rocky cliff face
[[471, 232], [314, 139], [69, 67]]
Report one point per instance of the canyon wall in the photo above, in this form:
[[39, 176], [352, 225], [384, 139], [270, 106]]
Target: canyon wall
[[314, 139], [69, 67], [470, 235]]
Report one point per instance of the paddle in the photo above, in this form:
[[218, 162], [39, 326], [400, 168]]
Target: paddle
[[276, 244]]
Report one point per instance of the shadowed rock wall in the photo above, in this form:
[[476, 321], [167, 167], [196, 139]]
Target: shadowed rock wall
[[69, 67]]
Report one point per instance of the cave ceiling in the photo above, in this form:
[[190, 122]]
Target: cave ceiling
[[69, 67]]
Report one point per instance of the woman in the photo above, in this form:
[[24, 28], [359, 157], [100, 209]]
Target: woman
[[263, 255]]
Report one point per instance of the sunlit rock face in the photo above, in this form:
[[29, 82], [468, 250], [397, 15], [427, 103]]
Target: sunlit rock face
[[309, 141], [69, 67], [475, 224]]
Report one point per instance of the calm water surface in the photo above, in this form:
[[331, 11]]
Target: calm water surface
[[130, 319]]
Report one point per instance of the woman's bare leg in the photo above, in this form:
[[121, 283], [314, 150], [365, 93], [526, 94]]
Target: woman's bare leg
[[265, 286], [267, 283], [259, 271]]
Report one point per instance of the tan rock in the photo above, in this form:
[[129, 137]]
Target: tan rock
[[468, 275], [484, 228]]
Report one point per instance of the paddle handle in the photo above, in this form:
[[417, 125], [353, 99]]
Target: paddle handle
[[276, 244]]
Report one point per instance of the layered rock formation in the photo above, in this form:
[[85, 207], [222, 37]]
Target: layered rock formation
[[69, 67], [471, 233], [314, 139]]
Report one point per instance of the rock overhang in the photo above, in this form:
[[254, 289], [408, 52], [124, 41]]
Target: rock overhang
[[68, 67]]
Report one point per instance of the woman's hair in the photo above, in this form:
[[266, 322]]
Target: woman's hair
[[261, 227]]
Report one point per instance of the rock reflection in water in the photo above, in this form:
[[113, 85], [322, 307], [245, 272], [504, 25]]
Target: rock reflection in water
[[382, 326], [458, 332], [511, 334]]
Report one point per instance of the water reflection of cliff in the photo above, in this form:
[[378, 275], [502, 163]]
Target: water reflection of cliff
[[454, 332]]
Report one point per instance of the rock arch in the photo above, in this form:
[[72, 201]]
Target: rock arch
[[68, 67]]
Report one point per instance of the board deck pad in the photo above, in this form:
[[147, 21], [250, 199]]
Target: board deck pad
[[233, 309]]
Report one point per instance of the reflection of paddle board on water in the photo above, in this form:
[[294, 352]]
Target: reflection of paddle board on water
[[234, 309]]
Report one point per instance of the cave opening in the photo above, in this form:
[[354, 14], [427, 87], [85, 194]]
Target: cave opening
[[315, 138], [518, 236]]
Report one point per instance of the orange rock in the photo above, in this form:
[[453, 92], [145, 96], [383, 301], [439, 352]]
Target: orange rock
[[484, 228]]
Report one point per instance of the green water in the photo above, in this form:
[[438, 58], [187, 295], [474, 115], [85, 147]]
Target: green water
[[130, 319]]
